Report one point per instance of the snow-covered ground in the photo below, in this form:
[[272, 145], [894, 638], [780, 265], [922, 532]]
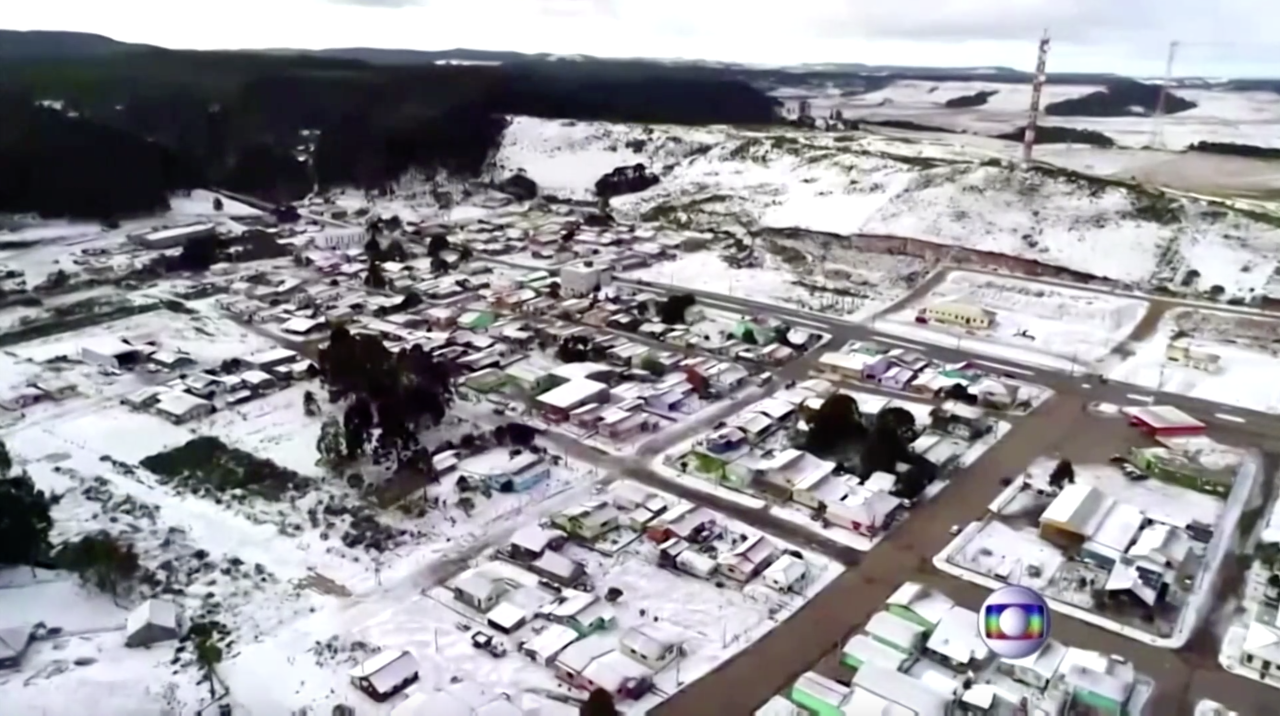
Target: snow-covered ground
[[1241, 117], [1082, 326], [847, 183], [1244, 344], [1176, 504]]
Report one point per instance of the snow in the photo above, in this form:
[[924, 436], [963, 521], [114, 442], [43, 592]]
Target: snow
[[1081, 326], [1157, 499], [1223, 116], [199, 203], [1247, 359], [999, 550], [206, 339], [848, 183]]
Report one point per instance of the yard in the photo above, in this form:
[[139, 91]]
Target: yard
[[1039, 323]]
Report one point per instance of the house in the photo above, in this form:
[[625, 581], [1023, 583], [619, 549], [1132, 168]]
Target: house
[[617, 673], [863, 511], [1163, 420], [556, 404], [1260, 652], [111, 353], [173, 237], [955, 640], [779, 706], [588, 521], [1211, 471], [1038, 669], [575, 658], [1113, 535], [485, 380], [650, 645], [507, 469], [678, 555], [478, 591], [862, 650], [1097, 683], [818, 695], [748, 559], [385, 674], [475, 320], [14, 642], [911, 695], [558, 568], [529, 378], [894, 631], [583, 612], [787, 575], [959, 314], [269, 359], [1074, 515], [546, 646], [1180, 353], [170, 360], [819, 489], [507, 617], [531, 541], [919, 604], [154, 621], [968, 422], [583, 279], [178, 407]]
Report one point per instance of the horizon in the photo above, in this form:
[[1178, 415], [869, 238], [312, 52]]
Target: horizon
[[1131, 40]]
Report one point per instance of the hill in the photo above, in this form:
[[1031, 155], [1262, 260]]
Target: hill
[[15, 44]]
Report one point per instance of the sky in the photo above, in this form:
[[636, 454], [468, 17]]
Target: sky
[[1218, 37]]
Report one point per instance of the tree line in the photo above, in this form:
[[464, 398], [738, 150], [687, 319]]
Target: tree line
[[185, 119]]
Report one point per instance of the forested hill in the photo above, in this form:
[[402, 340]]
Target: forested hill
[[177, 119]]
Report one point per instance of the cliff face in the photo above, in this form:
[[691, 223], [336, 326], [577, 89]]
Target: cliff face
[[1122, 98]]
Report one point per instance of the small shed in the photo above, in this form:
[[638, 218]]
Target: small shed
[[385, 674], [1164, 421], [154, 621]]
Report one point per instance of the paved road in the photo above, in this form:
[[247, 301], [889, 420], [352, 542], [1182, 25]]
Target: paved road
[[1253, 423], [767, 667]]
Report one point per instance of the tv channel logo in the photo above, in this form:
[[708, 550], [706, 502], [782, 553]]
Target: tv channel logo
[[1014, 622]]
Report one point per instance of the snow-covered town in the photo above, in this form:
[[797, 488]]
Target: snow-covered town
[[644, 418]]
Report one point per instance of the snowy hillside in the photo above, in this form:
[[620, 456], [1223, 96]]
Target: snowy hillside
[[848, 184]]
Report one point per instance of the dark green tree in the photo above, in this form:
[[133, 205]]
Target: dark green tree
[[24, 519]]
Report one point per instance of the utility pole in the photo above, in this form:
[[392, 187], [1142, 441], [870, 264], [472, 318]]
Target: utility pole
[[1037, 86], [1157, 120]]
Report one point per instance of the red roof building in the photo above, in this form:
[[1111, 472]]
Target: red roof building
[[1164, 421]]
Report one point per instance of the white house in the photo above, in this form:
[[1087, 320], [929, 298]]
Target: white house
[[178, 407], [583, 278], [787, 574], [385, 674], [110, 353], [649, 645]]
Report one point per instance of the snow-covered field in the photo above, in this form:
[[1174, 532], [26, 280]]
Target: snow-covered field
[[1241, 117], [1248, 357], [1082, 326], [1176, 504], [848, 183], [47, 245]]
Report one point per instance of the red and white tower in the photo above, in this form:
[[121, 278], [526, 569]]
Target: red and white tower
[[1033, 114]]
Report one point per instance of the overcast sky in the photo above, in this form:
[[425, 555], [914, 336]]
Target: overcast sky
[[1221, 37]]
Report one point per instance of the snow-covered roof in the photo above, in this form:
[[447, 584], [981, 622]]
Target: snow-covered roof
[[928, 604], [956, 637], [1079, 508], [822, 688], [1118, 527], [649, 641], [535, 538], [869, 651], [386, 669], [612, 670], [507, 616], [498, 462], [785, 571], [551, 641], [178, 403], [894, 629], [902, 689], [581, 653], [571, 393], [105, 346], [156, 612]]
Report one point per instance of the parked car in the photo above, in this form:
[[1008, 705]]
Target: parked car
[[487, 643]]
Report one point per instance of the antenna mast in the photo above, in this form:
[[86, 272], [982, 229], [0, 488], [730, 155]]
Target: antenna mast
[[1157, 120], [1037, 85]]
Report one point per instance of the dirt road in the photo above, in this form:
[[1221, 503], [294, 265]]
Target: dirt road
[[766, 668]]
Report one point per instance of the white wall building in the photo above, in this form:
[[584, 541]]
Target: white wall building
[[582, 279]]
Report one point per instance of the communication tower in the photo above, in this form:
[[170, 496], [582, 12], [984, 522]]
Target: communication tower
[[1157, 119], [1037, 85]]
